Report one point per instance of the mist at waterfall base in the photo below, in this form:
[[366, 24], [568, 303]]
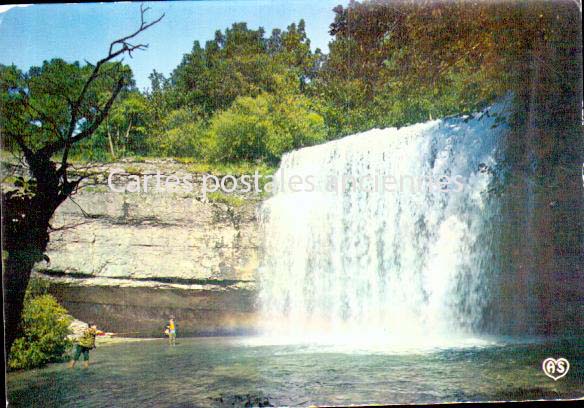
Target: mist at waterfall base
[[390, 270]]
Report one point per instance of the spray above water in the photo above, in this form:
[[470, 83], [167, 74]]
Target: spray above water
[[371, 266]]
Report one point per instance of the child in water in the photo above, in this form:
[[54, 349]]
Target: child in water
[[170, 331]]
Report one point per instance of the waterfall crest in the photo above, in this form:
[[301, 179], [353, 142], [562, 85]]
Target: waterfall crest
[[354, 260]]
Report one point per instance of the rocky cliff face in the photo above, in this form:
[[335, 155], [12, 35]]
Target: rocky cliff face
[[129, 260]]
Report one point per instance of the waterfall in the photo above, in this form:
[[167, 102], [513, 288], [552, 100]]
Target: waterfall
[[347, 259]]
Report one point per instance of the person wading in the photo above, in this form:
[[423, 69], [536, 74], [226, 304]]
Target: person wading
[[171, 332], [85, 344]]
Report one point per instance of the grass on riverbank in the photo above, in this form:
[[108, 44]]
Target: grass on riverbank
[[196, 166], [193, 165]]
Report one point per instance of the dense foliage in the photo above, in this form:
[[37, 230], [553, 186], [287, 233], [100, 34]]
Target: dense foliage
[[45, 329], [36, 104], [246, 95]]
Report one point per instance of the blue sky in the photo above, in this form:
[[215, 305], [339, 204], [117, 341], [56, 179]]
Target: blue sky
[[78, 32]]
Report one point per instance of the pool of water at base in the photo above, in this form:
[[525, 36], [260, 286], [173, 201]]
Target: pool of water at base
[[210, 372]]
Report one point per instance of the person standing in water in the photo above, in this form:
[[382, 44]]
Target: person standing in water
[[85, 344], [171, 332]]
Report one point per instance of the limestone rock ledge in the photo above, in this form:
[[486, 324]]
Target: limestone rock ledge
[[130, 260]]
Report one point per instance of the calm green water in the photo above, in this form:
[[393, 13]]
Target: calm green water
[[201, 371]]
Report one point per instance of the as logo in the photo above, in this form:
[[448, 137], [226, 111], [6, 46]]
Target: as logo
[[555, 369]]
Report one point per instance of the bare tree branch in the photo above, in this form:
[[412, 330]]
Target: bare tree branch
[[70, 226], [125, 47], [27, 241], [124, 40], [85, 213]]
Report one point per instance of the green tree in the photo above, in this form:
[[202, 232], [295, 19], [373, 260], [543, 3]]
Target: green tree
[[265, 127], [125, 127], [44, 113], [242, 62], [45, 327], [183, 134], [393, 63]]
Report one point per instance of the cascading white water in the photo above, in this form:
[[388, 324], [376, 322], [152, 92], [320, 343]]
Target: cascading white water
[[354, 261]]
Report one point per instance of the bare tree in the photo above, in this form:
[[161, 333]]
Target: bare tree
[[26, 213]]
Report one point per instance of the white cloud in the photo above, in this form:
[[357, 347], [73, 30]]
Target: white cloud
[[5, 7]]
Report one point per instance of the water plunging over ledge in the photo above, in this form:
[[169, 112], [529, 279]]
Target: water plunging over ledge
[[372, 265]]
